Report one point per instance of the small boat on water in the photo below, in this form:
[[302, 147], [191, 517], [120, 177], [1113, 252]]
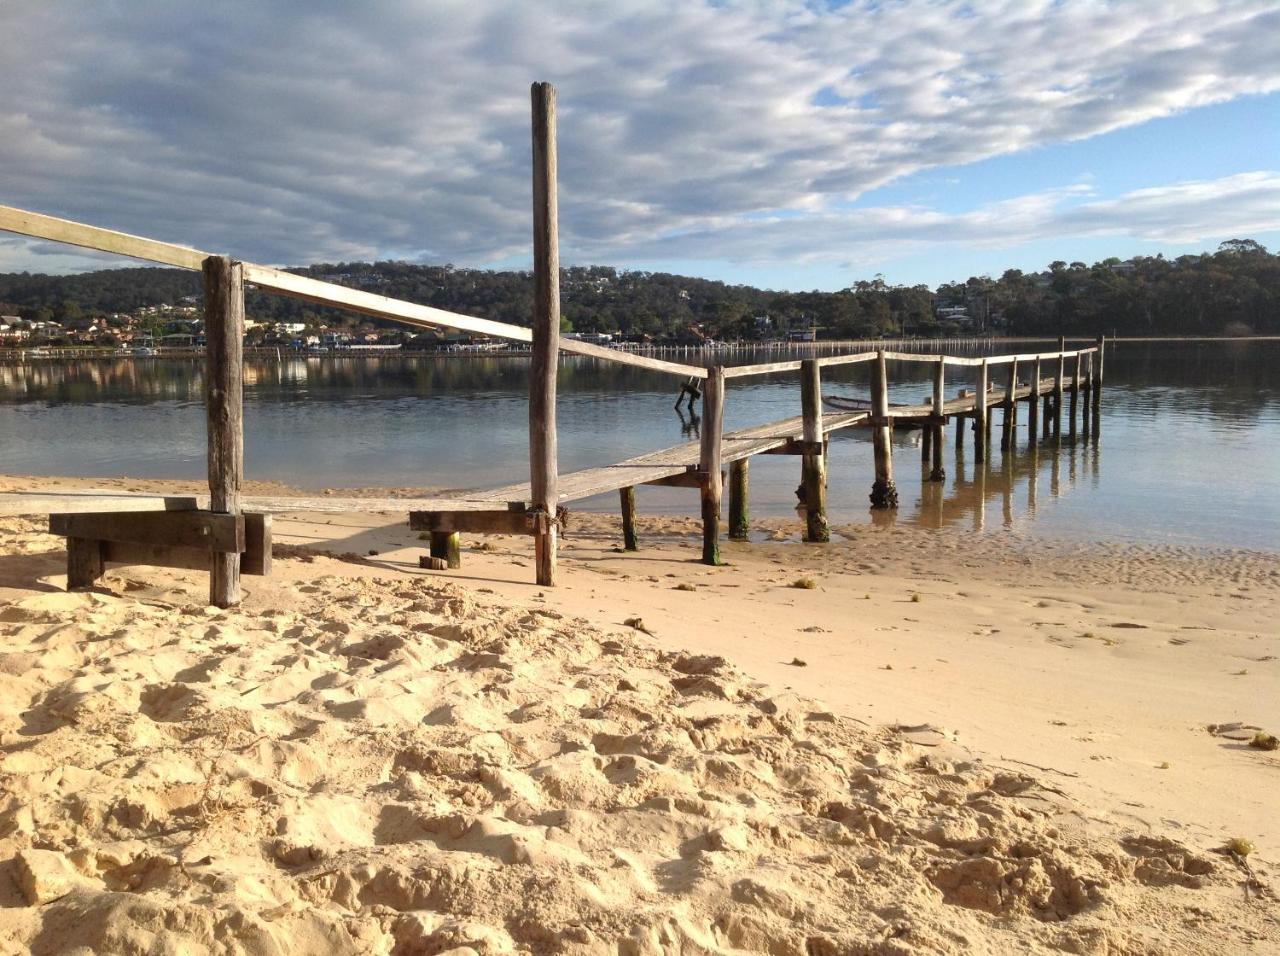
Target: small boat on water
[[840, 403]]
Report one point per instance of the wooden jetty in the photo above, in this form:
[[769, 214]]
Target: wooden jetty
[[228, 533]]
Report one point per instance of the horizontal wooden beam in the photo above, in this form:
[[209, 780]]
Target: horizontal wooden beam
[[79, 502], [38, 226], [202, 530], [477, 522], [770, 368], [254, 560], [622, 357], [991, 359], [73, 502], [797, 446], [288, 504], [689, 479], [763, 368], [166, 556], [852, 358]]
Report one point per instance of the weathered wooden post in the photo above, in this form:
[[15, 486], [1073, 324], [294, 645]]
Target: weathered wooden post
[[1057, 387], [884, 494], [543, 468], [1033, 404], [1088, 390], [980, 416], [937, 472], [711, 441], [1097, 388], [84, 562], [959, 429], [739, 506], [813, 466], [926, 443], [1010, 420], [628, 498], [447, 545], [1075, 396], [224, 407]]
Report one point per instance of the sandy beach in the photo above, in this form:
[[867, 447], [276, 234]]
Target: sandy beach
[[951, 742]]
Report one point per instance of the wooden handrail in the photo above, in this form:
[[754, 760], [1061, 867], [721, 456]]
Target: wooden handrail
[[39, 226]]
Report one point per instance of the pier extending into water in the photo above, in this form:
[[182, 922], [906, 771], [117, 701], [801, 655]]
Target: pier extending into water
[[228, 534]]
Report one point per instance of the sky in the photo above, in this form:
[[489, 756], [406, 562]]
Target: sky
[[786, 145]]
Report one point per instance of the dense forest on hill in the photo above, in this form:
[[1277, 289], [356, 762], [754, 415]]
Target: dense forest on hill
[[1235, 290]]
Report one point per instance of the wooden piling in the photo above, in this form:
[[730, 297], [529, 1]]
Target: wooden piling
[[1033, 404], [739, 507], [84, 562], [1010, 419], [627, 497], [1057, 387], [937, 472], [884, 494], [447, 546], [813, 464], [1088, 390], [959, 430], [1096, 397], [711, 440], [926, 443], [980, 415], [224, 408], [1075, 397], [543, 471]]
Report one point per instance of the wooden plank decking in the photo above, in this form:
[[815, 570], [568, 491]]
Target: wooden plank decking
[[669, 462]]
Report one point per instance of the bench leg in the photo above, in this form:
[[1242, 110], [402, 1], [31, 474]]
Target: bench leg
[[84, 562]]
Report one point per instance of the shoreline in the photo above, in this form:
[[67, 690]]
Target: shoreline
[[1090, 673], [267, 352]]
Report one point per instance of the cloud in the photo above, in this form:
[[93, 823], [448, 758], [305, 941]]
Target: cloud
[[1243, 204], [305, 131]]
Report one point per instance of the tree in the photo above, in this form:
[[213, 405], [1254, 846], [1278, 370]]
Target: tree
[[1242, 247]]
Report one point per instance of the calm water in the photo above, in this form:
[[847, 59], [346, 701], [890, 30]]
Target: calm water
[[1190, 447]]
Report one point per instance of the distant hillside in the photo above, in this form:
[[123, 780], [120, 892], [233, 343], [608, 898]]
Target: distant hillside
[[1236, 289]]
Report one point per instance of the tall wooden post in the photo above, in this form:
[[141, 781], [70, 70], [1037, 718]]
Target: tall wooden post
[[1075, 395], [1085, 403], [711, 437], [543, 468], [1010, 419], [937, 472], [884, 494], [1057, 387], [1033, 405], [627, 496], [224, 406], [813, 466], [959, 427], [980, 415], [926, 443], [1097, 388], [739, 505]]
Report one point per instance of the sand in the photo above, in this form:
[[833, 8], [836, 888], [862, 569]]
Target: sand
[[952, 743]]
